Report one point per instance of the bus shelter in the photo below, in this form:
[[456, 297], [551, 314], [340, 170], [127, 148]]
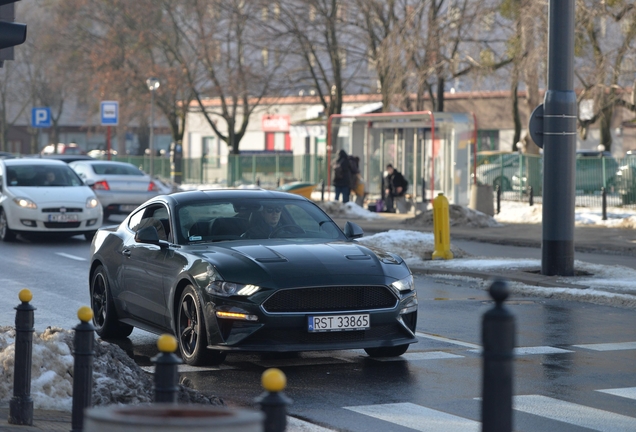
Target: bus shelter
[[436, 152]]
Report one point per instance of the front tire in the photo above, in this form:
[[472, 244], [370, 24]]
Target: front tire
[[192, 333], [6, 233], [394, 351], [105, 319]]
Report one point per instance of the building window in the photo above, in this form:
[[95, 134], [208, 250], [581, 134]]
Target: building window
[[211, 152], [265, 13], [265, 54], [312, 13]]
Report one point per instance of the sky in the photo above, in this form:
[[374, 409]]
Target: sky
[[51, 386]]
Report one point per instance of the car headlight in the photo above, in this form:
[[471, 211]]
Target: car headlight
[[25, 202], [227, 289], [404, 285], [92, 203]]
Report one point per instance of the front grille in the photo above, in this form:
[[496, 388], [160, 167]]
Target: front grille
[[330, 299], [58, 225], [59, 210], [292, 336]]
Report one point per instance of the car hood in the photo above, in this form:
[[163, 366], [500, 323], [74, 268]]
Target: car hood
[[54, 194], [281, 264]]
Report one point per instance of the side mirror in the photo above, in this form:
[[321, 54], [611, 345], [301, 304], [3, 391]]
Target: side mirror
[[88, 182], [353, 230], [150, 235]]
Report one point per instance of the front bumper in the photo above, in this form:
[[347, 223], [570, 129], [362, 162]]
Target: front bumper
[[285, 332], [43, 219]]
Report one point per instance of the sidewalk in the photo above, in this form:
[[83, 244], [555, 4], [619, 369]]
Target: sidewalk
[[43, 420]]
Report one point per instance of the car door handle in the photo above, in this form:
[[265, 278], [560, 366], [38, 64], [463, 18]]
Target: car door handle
[[126, 252]]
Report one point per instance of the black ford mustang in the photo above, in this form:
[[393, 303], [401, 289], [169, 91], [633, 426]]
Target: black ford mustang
[[248, 270]]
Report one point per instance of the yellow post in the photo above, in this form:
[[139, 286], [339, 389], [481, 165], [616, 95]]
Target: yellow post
[[441, 228]]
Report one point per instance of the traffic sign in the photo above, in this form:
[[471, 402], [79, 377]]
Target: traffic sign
[[110, 113], [41, 117]]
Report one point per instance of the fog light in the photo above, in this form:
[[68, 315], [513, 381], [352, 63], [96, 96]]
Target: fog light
[[91, 222], [236, 316], [29, 223]]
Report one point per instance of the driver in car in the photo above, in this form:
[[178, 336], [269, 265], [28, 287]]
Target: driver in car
[[264, 222]]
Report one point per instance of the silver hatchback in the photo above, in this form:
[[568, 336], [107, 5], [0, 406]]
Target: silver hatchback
[[120, 187]]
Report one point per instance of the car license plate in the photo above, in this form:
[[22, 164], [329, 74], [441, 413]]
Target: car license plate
[[63, 218], [325, 323], [127, 207]]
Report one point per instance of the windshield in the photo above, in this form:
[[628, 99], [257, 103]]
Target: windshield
[[214, 221], [42, 175]]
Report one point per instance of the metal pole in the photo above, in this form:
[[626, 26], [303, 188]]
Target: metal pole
[[498, 199], [559, 146], [151, 144], [604, 196], [21, 405], [498, 339]]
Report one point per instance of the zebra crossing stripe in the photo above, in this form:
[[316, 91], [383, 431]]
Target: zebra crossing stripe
[[428, 355], [446, 340], [297, 425], [574, 414], [418, 418], [627, 392], [620, 346]]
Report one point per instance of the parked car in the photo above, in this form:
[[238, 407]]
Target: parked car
[[121, 187], [594, 170], [626, 179], [45, 196], [498, 169], [6, 155], [184, 263], [62, 148]]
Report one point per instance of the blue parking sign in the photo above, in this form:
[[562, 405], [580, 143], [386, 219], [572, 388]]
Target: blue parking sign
[[41, 117], [110, 113]]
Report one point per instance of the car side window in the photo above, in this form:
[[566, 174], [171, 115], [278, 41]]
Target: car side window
[[152, 216]]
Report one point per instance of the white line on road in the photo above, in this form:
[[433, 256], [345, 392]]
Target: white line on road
[[620, 346], [574, 414], [429, 355], [627, 392], [73, 257], [520, 351], [449, 341], [418, 417], [297, 425]]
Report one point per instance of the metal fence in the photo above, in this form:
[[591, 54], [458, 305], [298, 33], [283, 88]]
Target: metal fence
[[520, 175]]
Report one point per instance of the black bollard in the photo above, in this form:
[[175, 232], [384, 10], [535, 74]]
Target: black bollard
[[278, 181], [531, 195], [498, 339], [166, 370], [604, 202], [258, 181], [322, 190], [498, 199], [273, 402], [83, 350], [21, 405]]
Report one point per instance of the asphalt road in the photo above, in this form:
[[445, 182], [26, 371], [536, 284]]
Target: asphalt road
[[574, 370]]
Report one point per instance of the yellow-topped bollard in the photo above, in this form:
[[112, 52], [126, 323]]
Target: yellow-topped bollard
[[25, 295], [273, 380], [441, 228], [273, 401], [167, 343], [85, 314]]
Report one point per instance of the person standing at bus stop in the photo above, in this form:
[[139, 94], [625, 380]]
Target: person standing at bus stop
[[395, 186], [342, 176]]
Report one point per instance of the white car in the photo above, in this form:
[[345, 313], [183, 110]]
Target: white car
[[121, 187], [45, 196]]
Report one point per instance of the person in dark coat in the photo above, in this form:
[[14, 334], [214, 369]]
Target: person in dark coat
[[394, 187], [342, 176]]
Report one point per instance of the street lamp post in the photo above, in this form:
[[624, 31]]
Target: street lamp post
[[153, 84]]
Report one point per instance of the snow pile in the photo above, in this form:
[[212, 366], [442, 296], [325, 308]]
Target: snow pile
[[117, 379], [458, 215], [414, 247], [349, 210]]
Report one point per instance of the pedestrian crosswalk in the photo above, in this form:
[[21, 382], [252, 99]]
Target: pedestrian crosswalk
[[425, 419]]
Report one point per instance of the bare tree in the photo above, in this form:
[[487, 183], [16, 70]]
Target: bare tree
[[605, 45], [226, 38], [11, 85]]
